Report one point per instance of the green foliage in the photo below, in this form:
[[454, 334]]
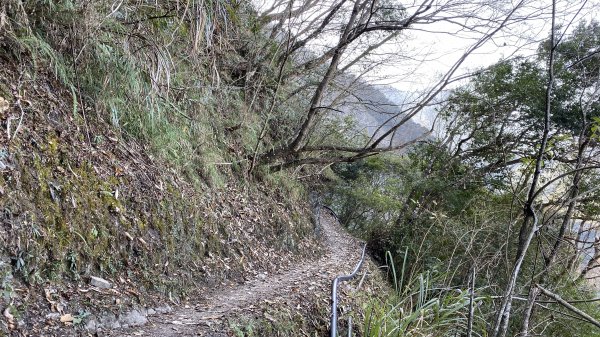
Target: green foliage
[[595, 128], [282, 184], [6, 282], [450, 206], [162, 78], [442, 220], [420, 308], [369, 189], [246, 330], [419, 203], [499, 113], [174, 79], [198, 83]]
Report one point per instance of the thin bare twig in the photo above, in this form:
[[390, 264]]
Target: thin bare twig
[[569, 306]]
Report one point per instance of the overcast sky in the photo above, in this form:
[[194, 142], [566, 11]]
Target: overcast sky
[[443, 47], [432, 49]]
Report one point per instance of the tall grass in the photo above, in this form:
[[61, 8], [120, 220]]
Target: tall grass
[[157, 72], [418, 306]]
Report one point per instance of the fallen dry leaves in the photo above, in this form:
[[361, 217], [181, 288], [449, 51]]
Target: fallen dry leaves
[[10, 319]]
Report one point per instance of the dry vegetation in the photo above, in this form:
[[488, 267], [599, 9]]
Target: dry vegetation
[[121, 156]]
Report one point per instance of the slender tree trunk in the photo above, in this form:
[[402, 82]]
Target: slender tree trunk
[[583, 141], [531, 298], [471, 304], [593, 263], [569, 306], [315, 102], [530, 222], [549, 261], [574, 258]]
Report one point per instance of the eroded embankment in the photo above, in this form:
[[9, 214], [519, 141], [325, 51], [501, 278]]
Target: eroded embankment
[[79, 199]]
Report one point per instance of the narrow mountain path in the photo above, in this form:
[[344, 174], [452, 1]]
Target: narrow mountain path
[[312, 278]]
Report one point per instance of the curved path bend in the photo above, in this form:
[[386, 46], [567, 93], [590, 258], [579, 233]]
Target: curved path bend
[[312, 278]]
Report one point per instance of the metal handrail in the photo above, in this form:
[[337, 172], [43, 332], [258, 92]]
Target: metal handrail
[[336, 281], [334, 287]]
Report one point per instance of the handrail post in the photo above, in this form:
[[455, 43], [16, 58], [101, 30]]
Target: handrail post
[[341, 278], [349, 326], [334, 308], [334, 287]]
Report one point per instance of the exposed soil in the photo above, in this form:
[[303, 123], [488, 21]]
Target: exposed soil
[[208, 316], [79, 199]]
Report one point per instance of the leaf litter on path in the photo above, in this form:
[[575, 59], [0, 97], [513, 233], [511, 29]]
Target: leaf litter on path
[[291, 287]]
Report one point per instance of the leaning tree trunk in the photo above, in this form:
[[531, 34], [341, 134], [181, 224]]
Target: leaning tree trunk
[[549, 261]]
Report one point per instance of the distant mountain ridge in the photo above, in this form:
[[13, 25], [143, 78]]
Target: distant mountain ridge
[[425, 117], [375, 108]]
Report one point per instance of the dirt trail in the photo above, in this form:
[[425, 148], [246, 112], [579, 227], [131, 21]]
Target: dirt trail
[[204, 317]]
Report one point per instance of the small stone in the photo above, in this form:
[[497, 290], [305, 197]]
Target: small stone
[[151, 311], [108, 321], [163, 310], [99, 282], [53, 316], [4, 105], [133, 318], [91, 325], [66, 318]]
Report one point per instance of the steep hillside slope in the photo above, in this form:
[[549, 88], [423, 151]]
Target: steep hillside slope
[[75, 206], [132, 172]]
